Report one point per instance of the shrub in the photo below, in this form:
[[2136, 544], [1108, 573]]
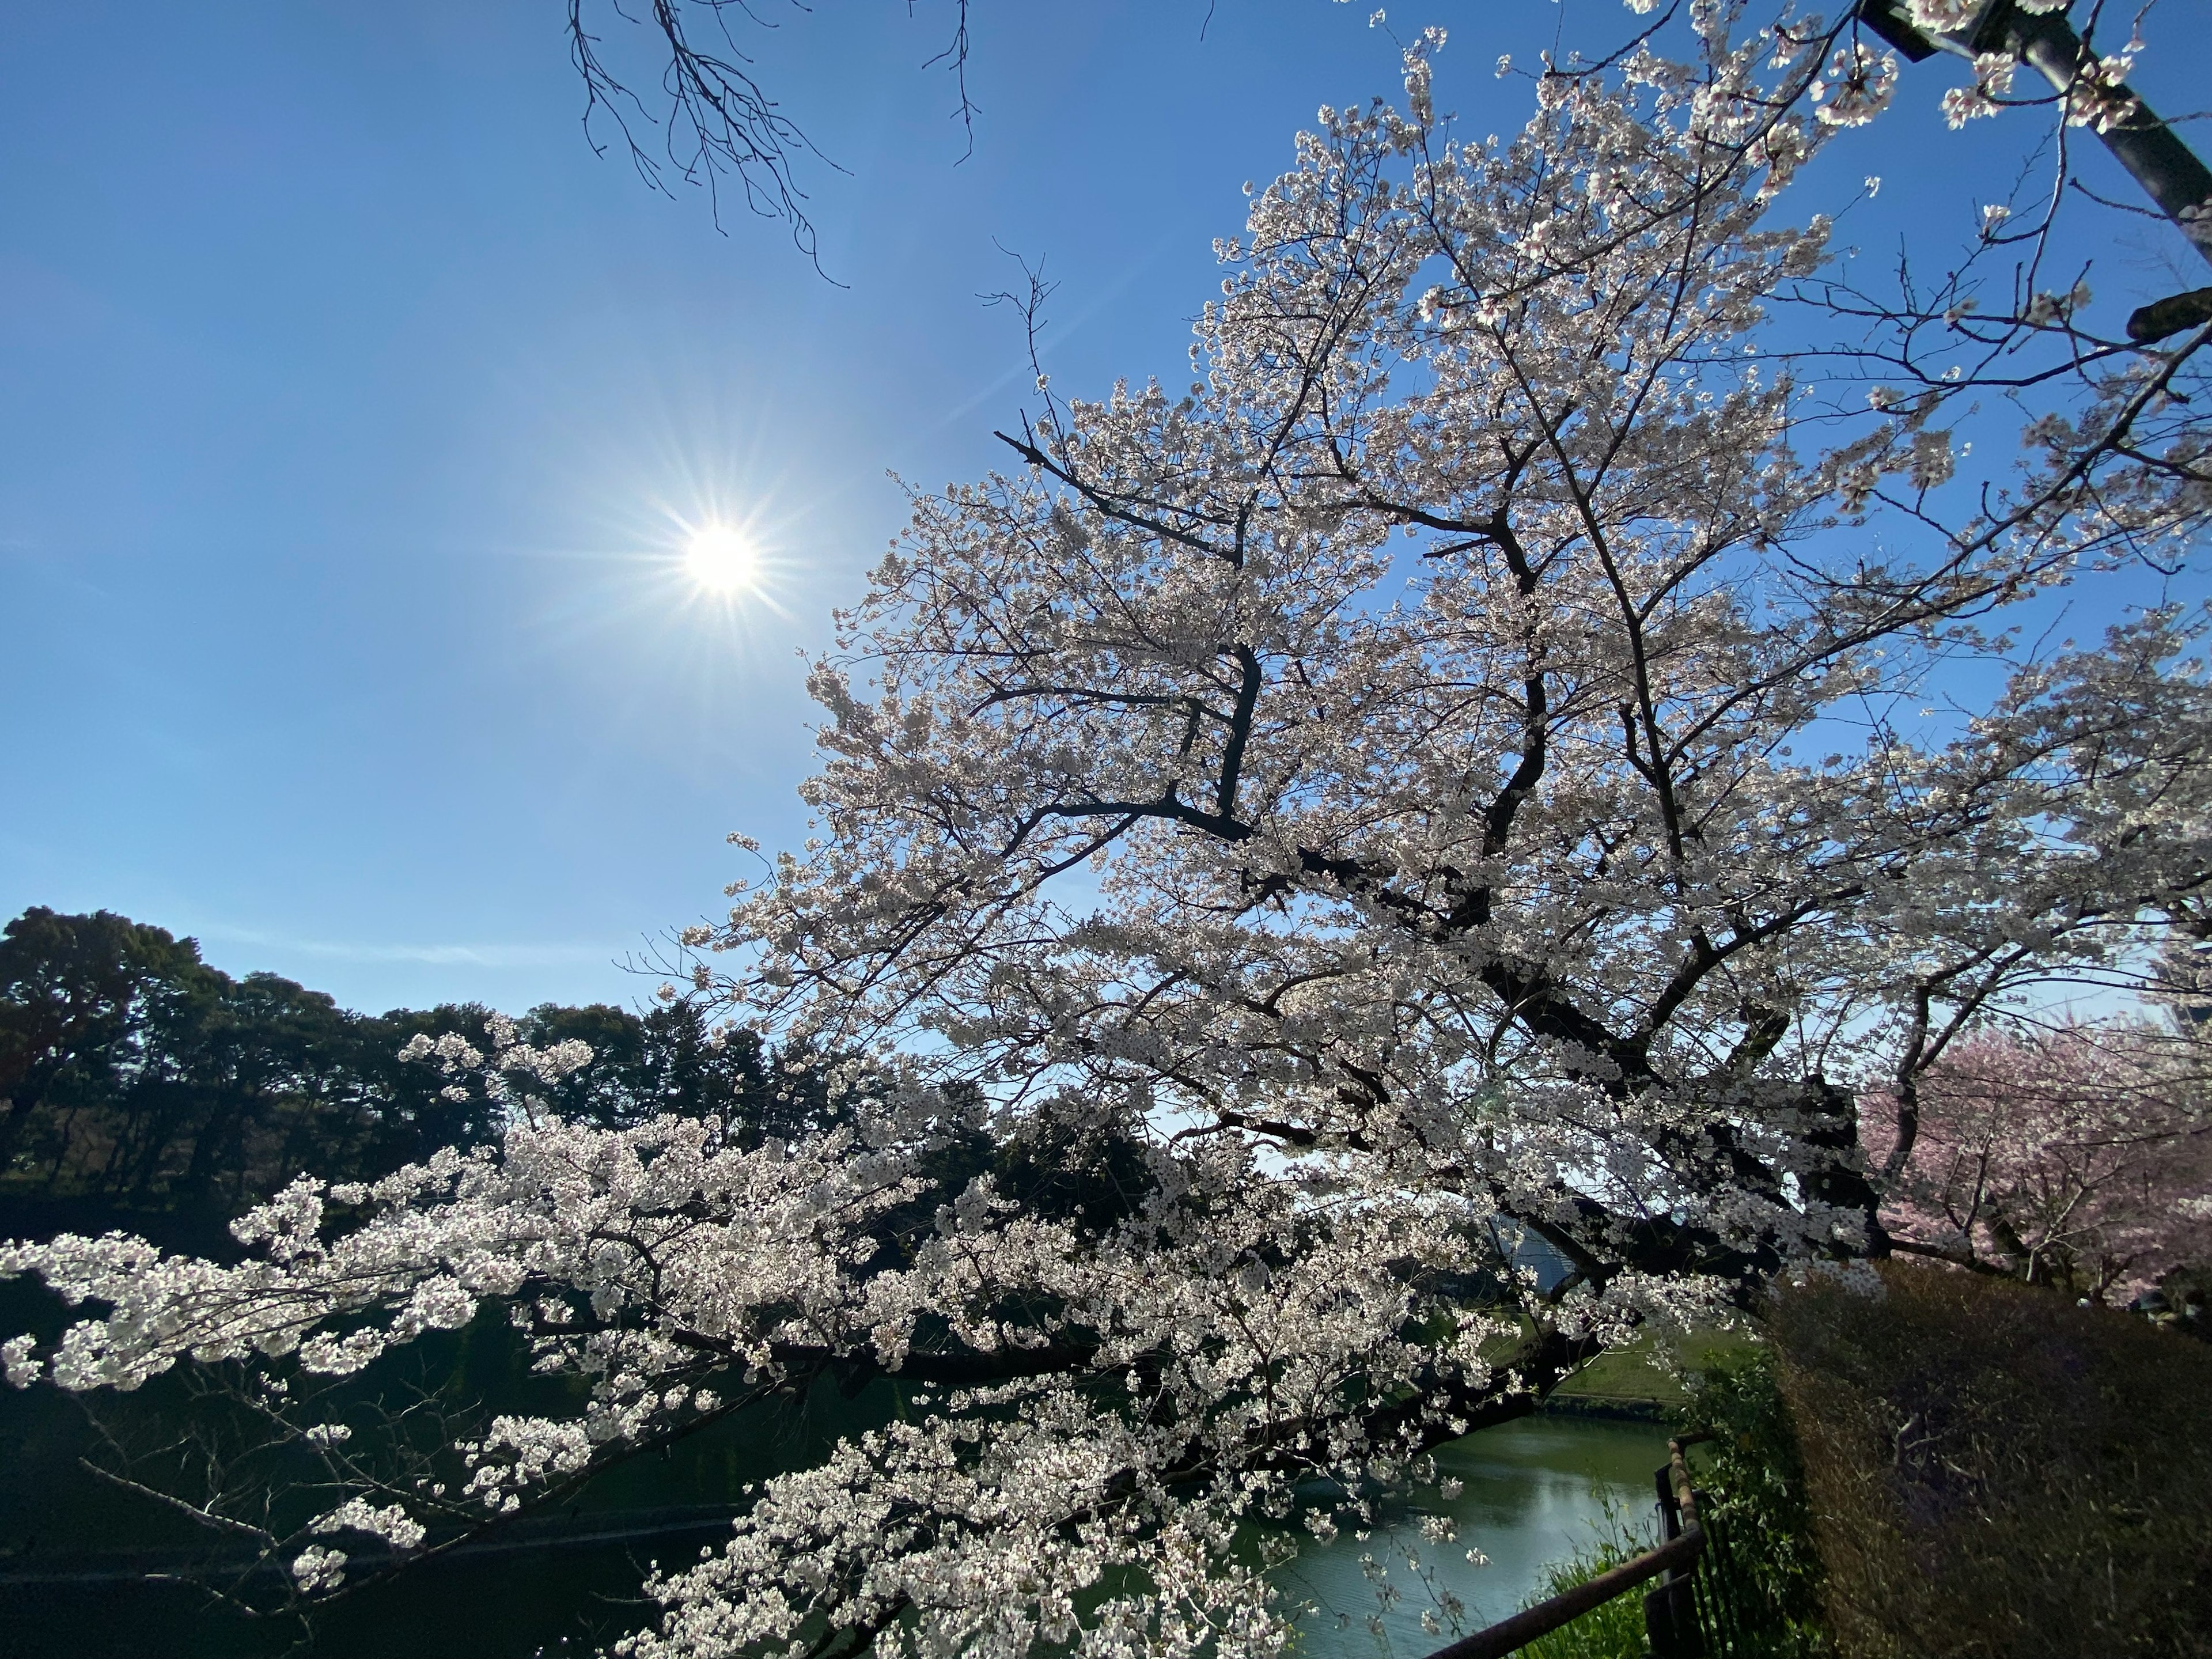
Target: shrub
[[1995, 1472]]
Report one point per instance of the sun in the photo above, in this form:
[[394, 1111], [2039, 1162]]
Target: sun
[[721, 559]]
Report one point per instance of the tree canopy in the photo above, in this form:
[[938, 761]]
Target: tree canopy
[[136, 1078]]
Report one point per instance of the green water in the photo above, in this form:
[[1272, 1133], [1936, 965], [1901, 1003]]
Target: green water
[[1533, 1491]]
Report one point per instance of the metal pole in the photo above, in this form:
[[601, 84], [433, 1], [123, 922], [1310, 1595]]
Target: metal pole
[[2151, 151]]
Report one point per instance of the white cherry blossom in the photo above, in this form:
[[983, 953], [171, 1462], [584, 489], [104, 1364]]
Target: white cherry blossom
[[1451, 777]]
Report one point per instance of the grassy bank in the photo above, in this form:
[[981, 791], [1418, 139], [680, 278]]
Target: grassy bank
[[1653, 1376]]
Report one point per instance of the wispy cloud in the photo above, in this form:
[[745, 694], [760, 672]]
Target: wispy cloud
[[513, 955]]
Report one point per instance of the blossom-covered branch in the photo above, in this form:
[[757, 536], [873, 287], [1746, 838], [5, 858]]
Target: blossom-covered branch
[[1460, 772]]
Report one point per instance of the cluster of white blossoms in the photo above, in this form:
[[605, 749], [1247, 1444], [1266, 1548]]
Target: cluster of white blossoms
[[1364, 792], [388, 1522], [510, 1059], [1113, 1401], [1858, 86], [1993, 72]]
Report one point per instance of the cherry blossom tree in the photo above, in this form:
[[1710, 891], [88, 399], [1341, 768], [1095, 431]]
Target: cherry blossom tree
[[1448, 776], [2080, 1157]]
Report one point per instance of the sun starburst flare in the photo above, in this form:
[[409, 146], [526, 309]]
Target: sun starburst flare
[[721, 560]]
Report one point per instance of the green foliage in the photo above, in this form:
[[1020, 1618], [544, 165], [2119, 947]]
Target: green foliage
[[1760, 1580], [1613, 1630], [1754, 1474], [1993, 1471]]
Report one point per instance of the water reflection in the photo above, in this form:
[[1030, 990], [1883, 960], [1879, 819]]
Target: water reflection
[[1533, 1492]]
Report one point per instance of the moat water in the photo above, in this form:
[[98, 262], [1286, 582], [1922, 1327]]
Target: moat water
[[1531, 1493]]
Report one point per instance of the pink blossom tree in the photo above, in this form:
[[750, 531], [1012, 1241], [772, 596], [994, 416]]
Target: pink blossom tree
[[2078, 1156]]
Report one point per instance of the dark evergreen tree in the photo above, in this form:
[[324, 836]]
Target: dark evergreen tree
[[135, 1079]]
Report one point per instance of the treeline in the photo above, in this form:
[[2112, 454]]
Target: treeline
[[137, 1080]]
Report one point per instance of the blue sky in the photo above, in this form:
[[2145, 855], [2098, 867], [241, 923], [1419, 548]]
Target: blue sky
[[350, 409]]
